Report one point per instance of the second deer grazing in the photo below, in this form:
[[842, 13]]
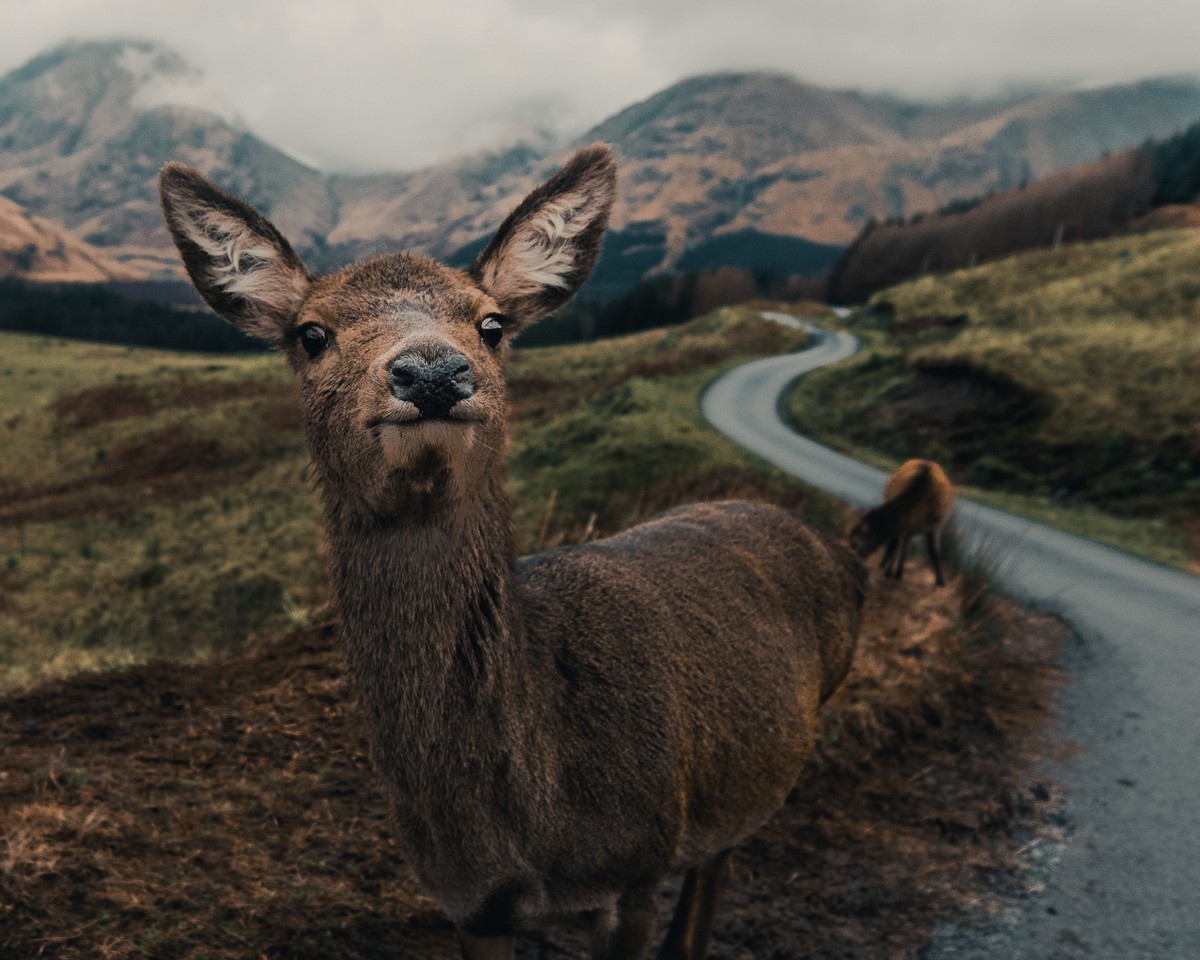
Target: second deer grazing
[[917, 499], [558, 732]]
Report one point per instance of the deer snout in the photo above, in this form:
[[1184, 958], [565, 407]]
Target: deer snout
[[433, 386]]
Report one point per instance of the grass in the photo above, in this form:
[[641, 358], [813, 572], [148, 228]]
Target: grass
[[161, 506], [1062, 385]]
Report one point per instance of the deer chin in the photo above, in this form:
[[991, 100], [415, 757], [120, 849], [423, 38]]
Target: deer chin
[[412, 446], [416, 476]]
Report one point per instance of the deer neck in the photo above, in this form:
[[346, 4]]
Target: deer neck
[[431, 629]]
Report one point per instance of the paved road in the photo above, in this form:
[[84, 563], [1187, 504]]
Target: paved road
[[1127, 886]]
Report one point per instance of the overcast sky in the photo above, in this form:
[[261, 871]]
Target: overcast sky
[[359, 85]]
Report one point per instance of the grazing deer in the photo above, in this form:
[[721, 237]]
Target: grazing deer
[[917, 499], [561, 731]]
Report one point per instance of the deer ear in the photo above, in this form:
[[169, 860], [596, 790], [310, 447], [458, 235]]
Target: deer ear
[[547, 247], [238, 260]]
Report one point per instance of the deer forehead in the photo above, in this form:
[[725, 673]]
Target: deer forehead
[[397, 291]]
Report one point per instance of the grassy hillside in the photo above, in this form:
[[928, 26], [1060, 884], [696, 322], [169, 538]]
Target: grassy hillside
[[1069, 377], [159, 504]]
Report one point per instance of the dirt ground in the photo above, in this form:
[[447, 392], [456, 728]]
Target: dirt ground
[[227, 810]]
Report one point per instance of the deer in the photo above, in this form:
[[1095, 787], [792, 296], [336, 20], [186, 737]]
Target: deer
[[556, 733], [917, 499]]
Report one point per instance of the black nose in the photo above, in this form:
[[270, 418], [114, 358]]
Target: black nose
[[432, 386]]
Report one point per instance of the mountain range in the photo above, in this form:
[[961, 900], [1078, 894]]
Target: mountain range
[[715, 169]]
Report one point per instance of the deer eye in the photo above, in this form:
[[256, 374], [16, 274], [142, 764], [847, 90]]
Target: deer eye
[[491, 330], [313, 338]]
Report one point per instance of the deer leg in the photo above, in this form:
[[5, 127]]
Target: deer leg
[[692, 924], [629, 938], [677, 945], [901, 556], [487, 948], [714, 875], [889, 554], [935, 558]]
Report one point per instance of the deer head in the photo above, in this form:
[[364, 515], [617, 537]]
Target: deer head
[[399, 358]]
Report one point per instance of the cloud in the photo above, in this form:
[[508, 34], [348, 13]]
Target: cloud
[[363, 85]]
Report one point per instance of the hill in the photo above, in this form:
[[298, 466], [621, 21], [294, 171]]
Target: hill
[[1156, 184], [33, 248], [1094, 200], [84, 131], [84, 128], [730, 152], [1066, 379]]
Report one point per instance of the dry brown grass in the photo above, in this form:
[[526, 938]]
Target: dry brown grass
[[227, 810]]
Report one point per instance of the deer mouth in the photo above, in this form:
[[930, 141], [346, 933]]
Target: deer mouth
[[406, 414]]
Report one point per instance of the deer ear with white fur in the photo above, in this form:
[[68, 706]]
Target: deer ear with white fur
[[237, 259], [547, 247]]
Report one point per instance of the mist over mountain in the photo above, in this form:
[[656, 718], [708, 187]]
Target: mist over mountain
[[792, 168]]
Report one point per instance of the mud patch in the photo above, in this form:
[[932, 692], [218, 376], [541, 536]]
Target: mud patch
[[956, 407], [207, 393], [90, 406], [932, 321], [82, 409], [168, 465]]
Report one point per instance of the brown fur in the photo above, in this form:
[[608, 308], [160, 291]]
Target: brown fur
[[561, 731], [917, 500]]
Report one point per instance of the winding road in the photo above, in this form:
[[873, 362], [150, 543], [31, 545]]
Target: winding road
[[1127, 886]]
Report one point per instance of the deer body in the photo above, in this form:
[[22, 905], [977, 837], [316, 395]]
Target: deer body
[[918, 498], [558, 732], [629, 731]]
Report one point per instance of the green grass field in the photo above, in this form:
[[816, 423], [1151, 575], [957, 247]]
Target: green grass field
[[1061, 384], [159, 504]]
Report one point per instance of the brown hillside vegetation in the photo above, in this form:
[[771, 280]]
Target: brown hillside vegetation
[[33, 248], [1089, 202], [228, 810], [1170, 217]]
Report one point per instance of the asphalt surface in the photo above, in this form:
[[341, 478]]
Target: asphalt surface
[[1127, 884]]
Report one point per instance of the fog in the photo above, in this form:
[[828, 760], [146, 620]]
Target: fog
[[360, 85]]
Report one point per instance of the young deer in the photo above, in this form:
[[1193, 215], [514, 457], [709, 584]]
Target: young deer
[[557, 732], [917, 499]]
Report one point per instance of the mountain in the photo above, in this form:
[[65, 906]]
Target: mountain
[[726, 153], [83, 135], [33, 248], [741, 165]]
